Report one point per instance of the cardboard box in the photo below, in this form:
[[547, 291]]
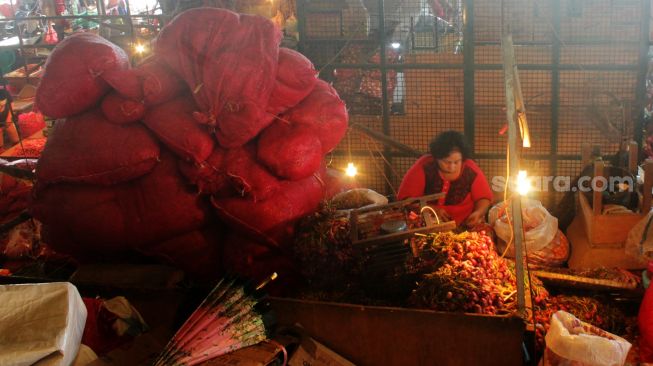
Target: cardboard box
[[314, 353], [262, 354]]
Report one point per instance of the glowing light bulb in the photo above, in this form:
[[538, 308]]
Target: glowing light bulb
[[395, 45], [523, 184], [139, 48], [351, 170]]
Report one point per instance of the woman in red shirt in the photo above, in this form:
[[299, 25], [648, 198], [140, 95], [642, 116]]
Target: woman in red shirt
[[449, 170]]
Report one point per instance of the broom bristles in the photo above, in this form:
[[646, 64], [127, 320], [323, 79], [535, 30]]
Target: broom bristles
[[229, 318]]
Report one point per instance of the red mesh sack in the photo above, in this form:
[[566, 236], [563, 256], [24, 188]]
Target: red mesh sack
[[210, 175], [86, 220], [257, 260], [71, 81], [173, 124], [89, 149], [160, 84], [198, 253], [246, 176], [292, 201], [237, 72], [50, 36], [127, 82], [30, 123], [290, 151], [324, 113], [120, 110], [192, 36], [296, 77]]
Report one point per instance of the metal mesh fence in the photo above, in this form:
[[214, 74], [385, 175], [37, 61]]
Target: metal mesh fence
[[413, 68]]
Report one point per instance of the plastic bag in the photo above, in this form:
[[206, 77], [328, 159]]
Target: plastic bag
[[539, 225], [639, 243], [51, 36], [570, 341]]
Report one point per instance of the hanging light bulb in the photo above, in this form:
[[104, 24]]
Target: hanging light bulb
[[523, 184], [139, 48], [351, 170]]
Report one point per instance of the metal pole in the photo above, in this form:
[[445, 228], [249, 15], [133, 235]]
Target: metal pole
[[513, 161], [21, 50], [468, 72], [645, 27], [384, 91], [132, 36], [301, 25], [555, 94]]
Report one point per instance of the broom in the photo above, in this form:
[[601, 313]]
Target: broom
[[228, 319]]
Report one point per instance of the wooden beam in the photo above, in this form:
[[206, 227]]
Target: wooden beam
[[648, 185], [387, 140], [597, 194], [509, 71], [520, 107], [633, 150]]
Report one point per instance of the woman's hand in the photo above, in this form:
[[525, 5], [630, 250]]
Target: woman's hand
[[478, 215], [475, 218]]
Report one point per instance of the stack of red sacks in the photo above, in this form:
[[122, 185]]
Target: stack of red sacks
[[220, 135]]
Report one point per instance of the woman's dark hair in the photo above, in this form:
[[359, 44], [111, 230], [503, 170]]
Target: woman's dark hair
[[447, 142]]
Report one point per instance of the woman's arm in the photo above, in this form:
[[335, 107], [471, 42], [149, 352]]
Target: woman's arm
[[482, 196]]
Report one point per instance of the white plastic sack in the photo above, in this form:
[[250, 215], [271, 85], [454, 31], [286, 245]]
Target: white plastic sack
[[40, 324], [539, 225], [570, 341], [639, 243]]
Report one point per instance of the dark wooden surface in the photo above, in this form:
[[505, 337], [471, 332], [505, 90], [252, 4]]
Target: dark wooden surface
[[368, 335]]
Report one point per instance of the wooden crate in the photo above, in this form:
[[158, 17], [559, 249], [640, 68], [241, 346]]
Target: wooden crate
[[608, 231], [611, 231], [366, 222], [584, 256]]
